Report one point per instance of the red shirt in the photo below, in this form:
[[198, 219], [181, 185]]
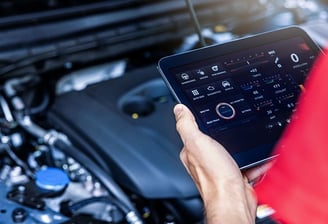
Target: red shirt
[[296, 186]]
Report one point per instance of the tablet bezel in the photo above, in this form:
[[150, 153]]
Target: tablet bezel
[[252, 157]]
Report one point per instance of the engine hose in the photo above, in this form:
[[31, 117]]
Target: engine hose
[[41, 107], [17, 160], [131, 214], [125, 204], [74, 207]]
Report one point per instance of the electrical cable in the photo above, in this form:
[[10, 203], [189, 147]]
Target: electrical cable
[[6, 110], [74, 207], [16, 159], [53, 138], [196, 22], [125, 204], [41, 107], [132, 216], [24, 62], [27, 61]]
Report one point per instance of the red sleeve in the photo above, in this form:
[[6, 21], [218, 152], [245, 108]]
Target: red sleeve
[[296, 186]]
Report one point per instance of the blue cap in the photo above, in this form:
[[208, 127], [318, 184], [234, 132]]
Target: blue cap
[[51, 179]]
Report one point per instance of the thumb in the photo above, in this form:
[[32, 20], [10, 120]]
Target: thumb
[[185, 122]]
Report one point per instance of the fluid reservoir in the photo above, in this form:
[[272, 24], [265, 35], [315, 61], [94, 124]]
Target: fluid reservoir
[[51, 179]]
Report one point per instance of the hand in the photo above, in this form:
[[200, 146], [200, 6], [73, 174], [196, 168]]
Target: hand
[[256, 174], [227, 195]]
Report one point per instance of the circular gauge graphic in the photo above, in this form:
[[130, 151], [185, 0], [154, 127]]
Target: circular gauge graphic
[[225, 111]]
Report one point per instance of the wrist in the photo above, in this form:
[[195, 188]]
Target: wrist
[[233, 204]]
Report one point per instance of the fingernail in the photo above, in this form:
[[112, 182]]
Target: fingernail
[[178, 109]]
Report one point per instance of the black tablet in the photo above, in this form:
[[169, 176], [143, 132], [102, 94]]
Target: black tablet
[[242, 93]]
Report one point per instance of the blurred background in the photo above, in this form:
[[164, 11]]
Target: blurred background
[[80, 92]]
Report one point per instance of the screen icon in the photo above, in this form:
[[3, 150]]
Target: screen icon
[[215, 68], [211, 88], [226, 83], [195, 92], [185, 76], [276, 61], [253, 70], [295, 58], [200, 72], [225, 111]]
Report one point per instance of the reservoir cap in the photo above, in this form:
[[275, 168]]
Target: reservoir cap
[[52, 179]]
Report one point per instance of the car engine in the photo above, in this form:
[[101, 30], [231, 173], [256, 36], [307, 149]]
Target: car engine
[[87, 133]]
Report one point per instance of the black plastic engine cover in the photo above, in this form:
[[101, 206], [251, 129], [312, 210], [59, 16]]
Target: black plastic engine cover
[[127, 124]]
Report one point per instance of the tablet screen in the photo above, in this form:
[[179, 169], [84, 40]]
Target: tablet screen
[[245, 98]]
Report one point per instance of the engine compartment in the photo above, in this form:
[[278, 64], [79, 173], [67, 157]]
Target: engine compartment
[[24, 201], [87, 133], [129, 114]]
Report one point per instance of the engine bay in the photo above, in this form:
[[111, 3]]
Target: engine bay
[[86, 124]]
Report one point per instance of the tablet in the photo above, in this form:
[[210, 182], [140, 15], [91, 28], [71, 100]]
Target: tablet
[[243, 93]]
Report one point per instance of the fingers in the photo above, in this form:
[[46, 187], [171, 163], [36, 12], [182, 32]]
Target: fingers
[[255, 175]]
